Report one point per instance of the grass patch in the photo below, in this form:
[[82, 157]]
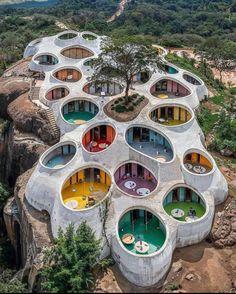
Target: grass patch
[[207, 119], [218, 99], [233, 91]]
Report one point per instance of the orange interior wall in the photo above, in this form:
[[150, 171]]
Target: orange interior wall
[[110, 134], [194, 157], [102, 177], [205, 161]]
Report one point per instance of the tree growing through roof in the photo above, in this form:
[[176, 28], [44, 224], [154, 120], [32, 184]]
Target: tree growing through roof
[[219, 54], [69, 264], [123, 59]]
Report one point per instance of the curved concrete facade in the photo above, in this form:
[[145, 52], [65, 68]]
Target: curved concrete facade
[[211, 187]]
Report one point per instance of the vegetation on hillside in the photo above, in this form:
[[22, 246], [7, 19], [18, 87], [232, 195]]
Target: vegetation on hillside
[[69, 264], [178, 23]]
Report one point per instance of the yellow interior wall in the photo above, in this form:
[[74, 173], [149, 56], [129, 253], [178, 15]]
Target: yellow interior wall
[[158, 113], [81, 175], [108, 180], [182, 114], [102, 176], [176, 113], [67, 184], [188, 116], [74, 179]]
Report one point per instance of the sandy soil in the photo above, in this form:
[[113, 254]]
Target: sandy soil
[[119, 11], [229, 76]]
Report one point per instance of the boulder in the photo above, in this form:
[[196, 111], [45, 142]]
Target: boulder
[[29, 118], [10, 89]]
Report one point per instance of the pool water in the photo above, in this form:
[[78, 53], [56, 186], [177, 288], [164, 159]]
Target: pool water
[[151, 233], [185, 206], [72, 117]]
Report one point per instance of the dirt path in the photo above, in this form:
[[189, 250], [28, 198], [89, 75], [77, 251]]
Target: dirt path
[[120, 10]]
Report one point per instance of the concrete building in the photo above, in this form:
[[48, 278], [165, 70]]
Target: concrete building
[[153, 174]]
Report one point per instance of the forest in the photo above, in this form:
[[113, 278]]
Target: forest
[[169, 23]]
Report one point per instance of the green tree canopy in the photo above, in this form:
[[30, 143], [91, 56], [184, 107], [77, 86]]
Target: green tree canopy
[[70, 262], [121, 61]]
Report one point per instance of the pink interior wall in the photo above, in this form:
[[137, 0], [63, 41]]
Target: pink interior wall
[[173, 86], [134, 169]]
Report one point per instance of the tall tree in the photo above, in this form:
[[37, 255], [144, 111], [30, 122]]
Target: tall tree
[[121, 60], [70, 262]]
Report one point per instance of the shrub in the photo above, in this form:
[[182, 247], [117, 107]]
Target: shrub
[[120, 108], [130, 108]]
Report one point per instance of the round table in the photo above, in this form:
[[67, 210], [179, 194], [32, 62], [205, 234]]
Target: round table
[[130, 185], [177, 213], [94, 143], [190, 219], [141, 247], [72, 204], [102, 145], [143, 191], [162, 96], [199, 169], [128, 239], [188, 165], [161, 120]]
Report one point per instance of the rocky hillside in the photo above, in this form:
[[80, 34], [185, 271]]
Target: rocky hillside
[[29, 132]]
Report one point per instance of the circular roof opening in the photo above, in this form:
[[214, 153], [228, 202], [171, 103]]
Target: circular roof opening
[[46, 59], [69, 75], [79, 111], [76, 52], [141, 232], [192, 79], [57, 93], [170, 69], [99, 138], [135, 180], [89, 36], [59, 156], [169, 89], [197, 163], [185, 205], [67, 36], [150, 143], [85, 188], [171, 115]]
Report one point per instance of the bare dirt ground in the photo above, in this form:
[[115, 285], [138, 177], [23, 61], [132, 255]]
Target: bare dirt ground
[[229, 76], [119, 11]]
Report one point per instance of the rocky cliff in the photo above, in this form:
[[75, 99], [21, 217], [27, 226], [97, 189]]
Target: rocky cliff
[[29, 134], [28, 230]]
